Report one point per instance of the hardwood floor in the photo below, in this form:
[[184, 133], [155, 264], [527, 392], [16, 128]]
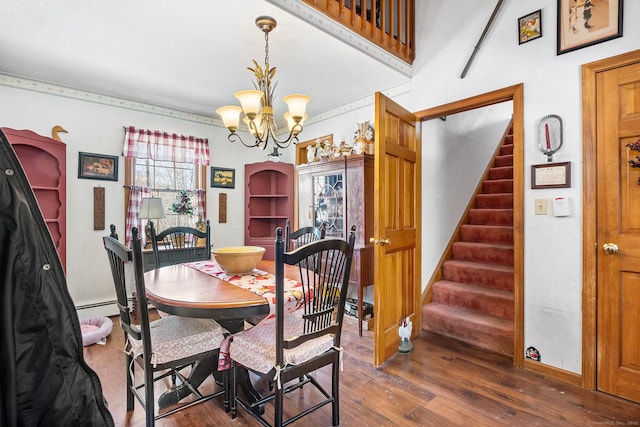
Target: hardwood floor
[[443, 382]]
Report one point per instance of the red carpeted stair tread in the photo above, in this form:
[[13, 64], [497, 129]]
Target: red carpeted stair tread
[[487, 233], [504, 160], [488, 332], [491, 217], [492, 253], [494, 201], [497, 186], [504, 172], [488, 275], [493, 302]]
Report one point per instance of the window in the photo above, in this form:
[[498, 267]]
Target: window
[[165, 179], [162, 164]]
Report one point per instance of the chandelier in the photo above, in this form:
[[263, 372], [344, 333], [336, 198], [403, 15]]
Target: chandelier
[[257, 104]]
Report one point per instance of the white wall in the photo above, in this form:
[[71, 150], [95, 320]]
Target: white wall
[[98, 128], [445, 36]]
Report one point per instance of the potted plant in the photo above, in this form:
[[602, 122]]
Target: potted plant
[[182, 205]]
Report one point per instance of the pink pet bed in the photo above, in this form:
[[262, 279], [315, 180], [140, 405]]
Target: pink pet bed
[[95, 329]]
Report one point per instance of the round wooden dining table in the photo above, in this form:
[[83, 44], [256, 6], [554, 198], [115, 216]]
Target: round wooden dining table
[[185, 291]]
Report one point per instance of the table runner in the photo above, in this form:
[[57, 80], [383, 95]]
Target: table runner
[[259, 282]]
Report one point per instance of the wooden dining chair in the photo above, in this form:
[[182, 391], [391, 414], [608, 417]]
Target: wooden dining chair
[[176, 245], [290, 346], [302, 236], [162, 347]]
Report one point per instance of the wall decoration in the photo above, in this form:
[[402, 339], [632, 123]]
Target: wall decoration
[[530, 27], [97, 166], [551, 175], [549, 135], [222, 177], [98, 208], [587, 22]]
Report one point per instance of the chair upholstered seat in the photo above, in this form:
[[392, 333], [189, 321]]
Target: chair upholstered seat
[[175, 338], [292, 346], [164, 347], [254, 347]]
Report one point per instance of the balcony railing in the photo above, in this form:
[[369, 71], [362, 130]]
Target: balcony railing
[[389, 24]]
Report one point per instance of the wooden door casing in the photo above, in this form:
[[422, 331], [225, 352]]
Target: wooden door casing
[[618, 195], [397, 199]]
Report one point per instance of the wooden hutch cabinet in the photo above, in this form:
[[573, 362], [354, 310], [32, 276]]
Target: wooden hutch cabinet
[[268, 203], [339, 193], [44, 161]]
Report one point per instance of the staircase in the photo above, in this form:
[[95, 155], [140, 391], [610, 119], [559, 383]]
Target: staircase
[[473, 301]]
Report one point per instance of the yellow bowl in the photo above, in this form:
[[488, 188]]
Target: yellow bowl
[[238, 259]]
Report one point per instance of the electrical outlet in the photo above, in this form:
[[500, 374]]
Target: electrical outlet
[[541, 206]]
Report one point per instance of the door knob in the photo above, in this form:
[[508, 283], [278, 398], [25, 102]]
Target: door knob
[[382, 241], [610, 248]]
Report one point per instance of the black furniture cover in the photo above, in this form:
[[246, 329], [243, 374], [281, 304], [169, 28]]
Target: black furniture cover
[[44, 379]]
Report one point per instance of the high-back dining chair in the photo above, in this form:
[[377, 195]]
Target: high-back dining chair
[[302, 236], [176, 245], [162, 347], [290, 346]]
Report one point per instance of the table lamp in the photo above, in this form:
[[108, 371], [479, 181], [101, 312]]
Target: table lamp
[[151, 208]]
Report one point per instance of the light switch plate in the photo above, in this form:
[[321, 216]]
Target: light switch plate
[[540, 206]]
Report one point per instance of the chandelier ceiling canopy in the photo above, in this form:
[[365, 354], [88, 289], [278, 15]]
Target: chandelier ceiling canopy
[[257, 104]]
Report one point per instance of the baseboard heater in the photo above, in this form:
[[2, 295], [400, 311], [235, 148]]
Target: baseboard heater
[[95, 305]]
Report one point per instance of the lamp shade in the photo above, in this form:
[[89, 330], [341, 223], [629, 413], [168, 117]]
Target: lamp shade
[[250, 101], [151, 208], [297, 104], [230, 116]]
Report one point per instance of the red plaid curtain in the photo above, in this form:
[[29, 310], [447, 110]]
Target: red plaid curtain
[[162, 146], [136, 194], [156, 145], [200, 202]]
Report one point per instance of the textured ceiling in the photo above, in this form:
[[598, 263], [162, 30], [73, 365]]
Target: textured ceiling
[[190, 55]]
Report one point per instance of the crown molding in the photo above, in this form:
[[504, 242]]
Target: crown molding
[[96, 98], [323, 22]]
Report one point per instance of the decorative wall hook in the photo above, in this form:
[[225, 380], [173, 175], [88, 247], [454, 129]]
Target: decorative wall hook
[[549, 136]]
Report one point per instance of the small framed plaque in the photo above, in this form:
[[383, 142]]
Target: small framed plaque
[[551, 175]]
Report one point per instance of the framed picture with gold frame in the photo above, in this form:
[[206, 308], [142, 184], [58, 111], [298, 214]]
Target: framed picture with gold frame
[[584, 23], [223, 177]]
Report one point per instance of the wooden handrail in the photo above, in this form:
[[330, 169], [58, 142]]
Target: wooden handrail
[[389, 24]]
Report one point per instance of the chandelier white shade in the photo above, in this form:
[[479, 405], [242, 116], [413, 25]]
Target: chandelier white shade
[[257, 104]]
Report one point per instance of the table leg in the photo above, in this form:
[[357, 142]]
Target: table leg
[[206, 367], [199, 372]]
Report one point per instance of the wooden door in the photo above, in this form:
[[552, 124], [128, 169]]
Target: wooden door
[[396, 225], [618, 223]]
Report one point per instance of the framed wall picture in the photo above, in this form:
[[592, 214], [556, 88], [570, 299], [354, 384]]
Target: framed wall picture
[[551, 175], [584, 23], [97, 166], [223, 177], [530, 27]]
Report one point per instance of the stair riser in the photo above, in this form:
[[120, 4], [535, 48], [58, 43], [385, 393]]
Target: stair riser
[[505, 172], [494, 201], [487, 234], [496, 279], [492, 305], [497, 186], [468, 252], [491, 217], [500, 341], [504, 161], [506, 150]]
